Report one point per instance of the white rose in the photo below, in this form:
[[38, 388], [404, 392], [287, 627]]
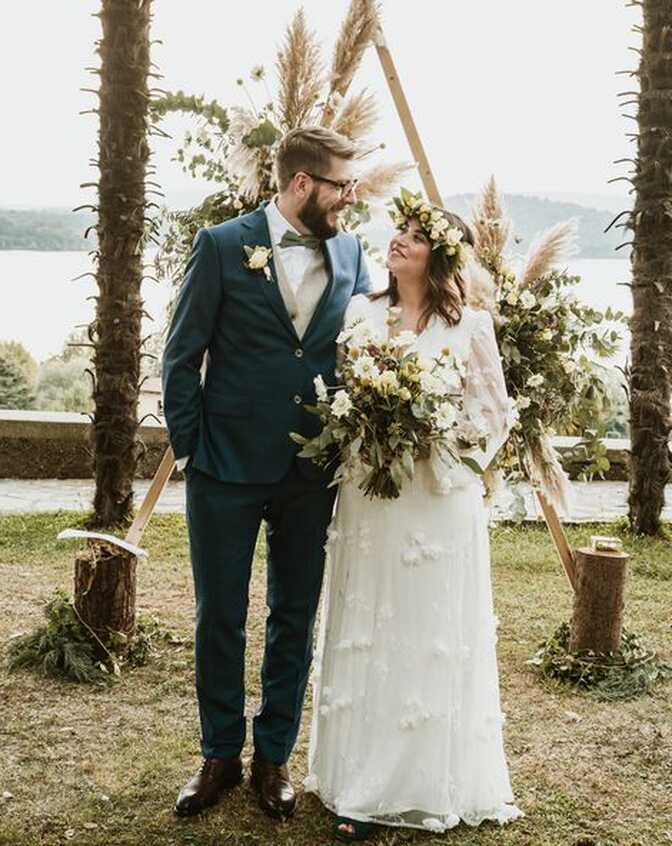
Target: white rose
[[450, 377], [569, 365], [512, 297], [259, 258], [453, 236], [535, 381], [430, 384], [445, 416], [320, 389], [527, 299], [342, 404], [357, 334], [365, 367], [523, 402]]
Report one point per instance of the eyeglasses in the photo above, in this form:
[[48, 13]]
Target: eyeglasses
[[344, 188]]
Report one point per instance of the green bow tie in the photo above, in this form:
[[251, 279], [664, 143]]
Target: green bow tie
[[292, 239]]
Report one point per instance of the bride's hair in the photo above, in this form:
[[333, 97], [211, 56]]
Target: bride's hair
[[446, 287]]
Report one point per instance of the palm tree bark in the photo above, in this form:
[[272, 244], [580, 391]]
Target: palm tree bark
[[104, 578], [123, 156], [651, 223]]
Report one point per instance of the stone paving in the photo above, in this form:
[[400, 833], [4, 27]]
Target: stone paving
[[593, 501]]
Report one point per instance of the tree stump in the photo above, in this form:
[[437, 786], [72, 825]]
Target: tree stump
[[597, 622], [105, 592]]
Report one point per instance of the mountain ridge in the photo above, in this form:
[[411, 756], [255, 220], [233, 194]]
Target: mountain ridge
[[58, 229]]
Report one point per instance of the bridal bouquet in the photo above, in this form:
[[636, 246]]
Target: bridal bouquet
[[392, 408]]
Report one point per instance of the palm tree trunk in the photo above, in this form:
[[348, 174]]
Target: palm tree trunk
[[651, 223], [123, 157], [104, 580]]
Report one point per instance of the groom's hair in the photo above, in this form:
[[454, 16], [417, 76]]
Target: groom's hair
[[310, 148]]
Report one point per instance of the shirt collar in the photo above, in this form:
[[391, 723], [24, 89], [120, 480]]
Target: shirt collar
[[277, 223]]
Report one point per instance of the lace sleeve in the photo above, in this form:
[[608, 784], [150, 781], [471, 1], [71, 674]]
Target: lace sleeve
[[485, 396], [486, 402]]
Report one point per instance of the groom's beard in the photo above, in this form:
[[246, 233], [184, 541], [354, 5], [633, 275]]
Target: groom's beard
[[314, 218]]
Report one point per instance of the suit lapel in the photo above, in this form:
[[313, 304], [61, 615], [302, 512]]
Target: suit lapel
[[256, 234]]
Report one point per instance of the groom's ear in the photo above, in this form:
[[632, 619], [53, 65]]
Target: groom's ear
[[300, 185]]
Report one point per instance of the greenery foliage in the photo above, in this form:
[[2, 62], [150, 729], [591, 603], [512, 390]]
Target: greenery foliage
[[15, 392], [63, 383], [65, 648], [61, 648], [22, 358], [622, 675]]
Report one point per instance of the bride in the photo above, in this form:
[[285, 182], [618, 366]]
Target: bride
[[407, 726]]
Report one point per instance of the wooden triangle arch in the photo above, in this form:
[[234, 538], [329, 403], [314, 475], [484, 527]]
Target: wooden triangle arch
[[167, 464]]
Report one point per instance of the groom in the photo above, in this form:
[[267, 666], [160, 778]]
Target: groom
[[264, 296]]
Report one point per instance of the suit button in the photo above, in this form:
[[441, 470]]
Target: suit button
[[298, 353], [297, 399]]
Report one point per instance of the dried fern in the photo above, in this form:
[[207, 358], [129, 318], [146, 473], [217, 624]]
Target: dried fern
[[357, 116], [480, 287], [491, 228], [545, 472], [378, 183], [357, 32], [300, 74], [553, 247]]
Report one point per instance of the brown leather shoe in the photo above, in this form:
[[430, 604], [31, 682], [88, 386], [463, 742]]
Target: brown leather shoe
[[205, 788], [274, 788]]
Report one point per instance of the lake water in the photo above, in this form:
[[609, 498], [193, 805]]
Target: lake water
[[40, 306]]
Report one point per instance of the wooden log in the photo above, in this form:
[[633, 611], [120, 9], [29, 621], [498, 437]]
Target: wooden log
[[105, 591], [597, 622]]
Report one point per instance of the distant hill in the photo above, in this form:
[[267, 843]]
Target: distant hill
[[59, 229], [44, 229], [532, 215]]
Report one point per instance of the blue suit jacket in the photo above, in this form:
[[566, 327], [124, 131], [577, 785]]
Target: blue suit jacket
[[236, 424]]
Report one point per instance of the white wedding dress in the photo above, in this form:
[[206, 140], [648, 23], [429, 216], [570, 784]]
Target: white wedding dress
[[407, 726]]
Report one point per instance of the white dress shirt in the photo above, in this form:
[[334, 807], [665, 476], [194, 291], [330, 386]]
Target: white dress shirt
[[295, 259]]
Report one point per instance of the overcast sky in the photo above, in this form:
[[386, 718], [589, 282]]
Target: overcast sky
[[524, 89]]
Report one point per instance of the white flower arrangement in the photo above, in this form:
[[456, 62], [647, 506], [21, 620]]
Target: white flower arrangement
[[392, 408]]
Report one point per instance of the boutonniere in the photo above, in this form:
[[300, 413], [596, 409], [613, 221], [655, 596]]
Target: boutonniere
[[258, 258]]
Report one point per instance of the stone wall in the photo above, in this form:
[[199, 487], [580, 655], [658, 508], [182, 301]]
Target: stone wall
[[56, 445]]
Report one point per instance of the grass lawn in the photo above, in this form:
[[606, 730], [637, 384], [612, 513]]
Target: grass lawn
[[102, 766]]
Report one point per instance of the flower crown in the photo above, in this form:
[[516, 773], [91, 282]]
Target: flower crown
[[434, 222]]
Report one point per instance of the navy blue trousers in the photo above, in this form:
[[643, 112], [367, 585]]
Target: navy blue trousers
[[223, 521]]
